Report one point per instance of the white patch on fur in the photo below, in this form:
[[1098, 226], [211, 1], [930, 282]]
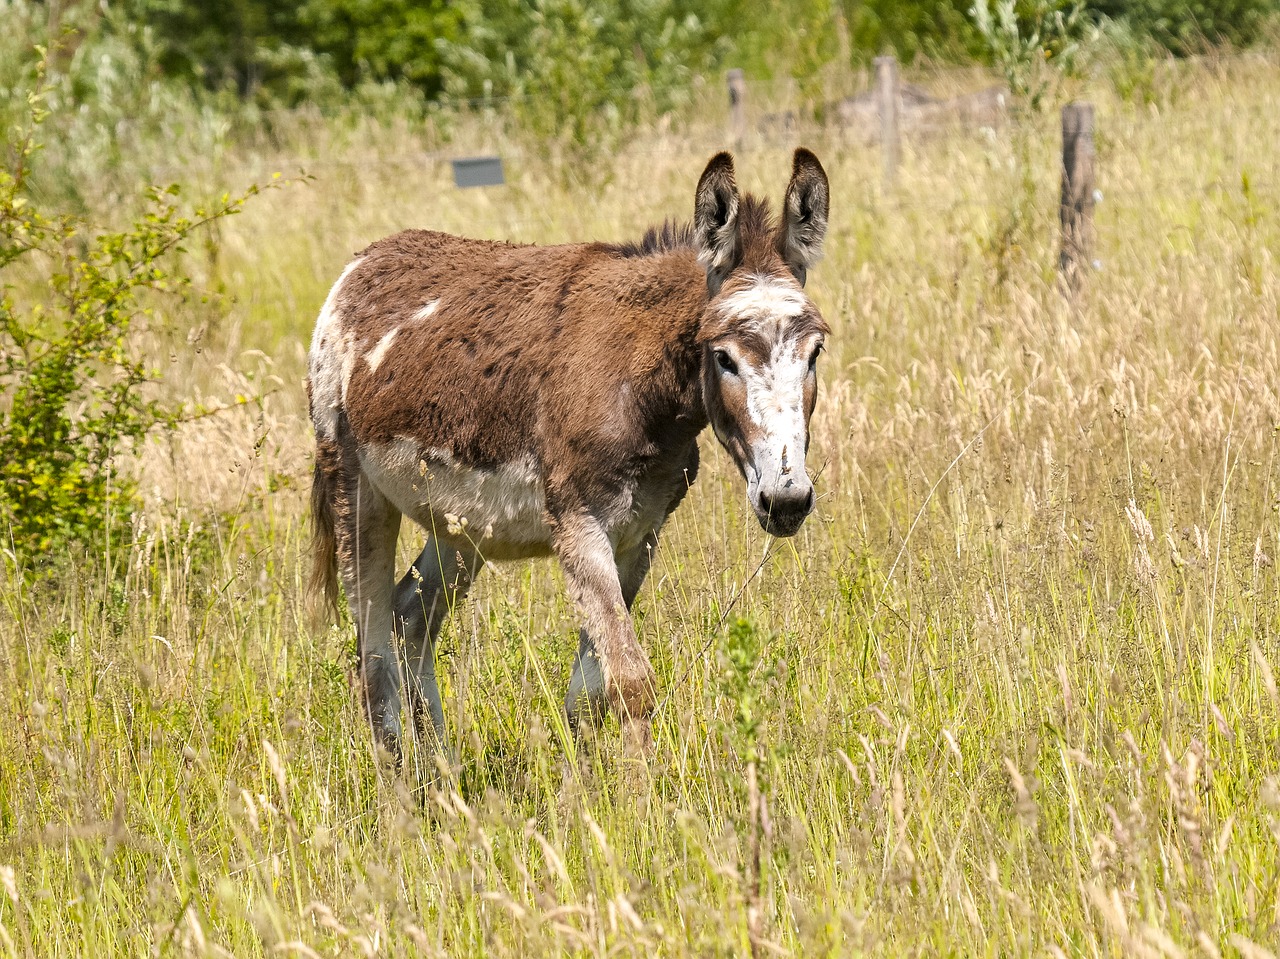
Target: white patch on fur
[[426, 312], [768, 298], [501, 512], [348, 368], [327, 363], [376, 355]]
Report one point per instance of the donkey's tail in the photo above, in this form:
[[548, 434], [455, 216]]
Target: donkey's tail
[[324, 541]]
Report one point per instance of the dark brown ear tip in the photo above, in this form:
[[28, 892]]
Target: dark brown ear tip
[[719, 170], [805, 158], [721, 163]]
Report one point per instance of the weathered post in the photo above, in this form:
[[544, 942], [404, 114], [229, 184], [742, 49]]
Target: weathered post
[[1076, 211], [737, 105], [888, 97]]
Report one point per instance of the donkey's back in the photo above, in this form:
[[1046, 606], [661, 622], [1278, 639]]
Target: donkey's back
[[469, 344]]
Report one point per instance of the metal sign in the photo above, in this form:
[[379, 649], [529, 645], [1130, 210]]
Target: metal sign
[[478, 171]]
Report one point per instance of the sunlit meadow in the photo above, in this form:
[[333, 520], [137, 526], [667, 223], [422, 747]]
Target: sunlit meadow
[[1011, 690]]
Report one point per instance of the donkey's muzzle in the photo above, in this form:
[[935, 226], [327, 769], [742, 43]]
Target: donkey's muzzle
[[782, 512]]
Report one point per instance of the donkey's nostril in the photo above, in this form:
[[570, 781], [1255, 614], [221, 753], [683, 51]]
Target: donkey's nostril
[[786, 502]]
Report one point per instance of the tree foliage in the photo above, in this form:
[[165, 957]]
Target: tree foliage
[[618, 56], [1188, 26], [579, 74], [939, 30], [258, 46]]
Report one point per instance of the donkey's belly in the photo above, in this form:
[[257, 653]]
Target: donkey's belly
[[502, 512]]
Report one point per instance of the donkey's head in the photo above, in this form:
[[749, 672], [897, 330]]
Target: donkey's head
[[761, 334]]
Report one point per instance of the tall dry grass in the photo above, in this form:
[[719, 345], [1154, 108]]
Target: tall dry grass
[[1015, 681]]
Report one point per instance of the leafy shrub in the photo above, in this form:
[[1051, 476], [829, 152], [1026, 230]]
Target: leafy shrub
[[579, 74], [74, 300], [1189, 26], [1020, 39], [940, 30]]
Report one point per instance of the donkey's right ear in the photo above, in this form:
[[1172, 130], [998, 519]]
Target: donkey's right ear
[[715, 221]]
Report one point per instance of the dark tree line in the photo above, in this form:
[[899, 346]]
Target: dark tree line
[[619, 59], [474, 48]]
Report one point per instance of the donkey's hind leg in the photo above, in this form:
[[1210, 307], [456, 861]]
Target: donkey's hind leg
[[366, 529], [438, 579]]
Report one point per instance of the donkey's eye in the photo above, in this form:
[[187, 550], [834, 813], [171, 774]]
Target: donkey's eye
[[813, 358], [725, 362]]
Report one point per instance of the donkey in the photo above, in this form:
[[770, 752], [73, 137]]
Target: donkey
[[518, 401]]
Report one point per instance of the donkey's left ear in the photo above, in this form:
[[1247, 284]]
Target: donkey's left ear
[[804, 214]]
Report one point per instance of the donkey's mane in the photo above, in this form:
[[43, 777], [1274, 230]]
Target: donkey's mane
[[660, 239], [754, 217]]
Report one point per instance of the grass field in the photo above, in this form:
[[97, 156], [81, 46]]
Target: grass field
[[1012, 688]]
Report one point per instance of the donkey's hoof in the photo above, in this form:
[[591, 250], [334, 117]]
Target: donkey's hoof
[[636, 765], [637, 739], [387, 748]]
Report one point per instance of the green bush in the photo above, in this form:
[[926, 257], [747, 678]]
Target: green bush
[[1025, 40], [579, 74], [1189, 26], [938, 30], [74, 301]]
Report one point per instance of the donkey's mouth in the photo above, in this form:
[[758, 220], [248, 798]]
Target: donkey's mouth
[[782, 528], [783, 514]]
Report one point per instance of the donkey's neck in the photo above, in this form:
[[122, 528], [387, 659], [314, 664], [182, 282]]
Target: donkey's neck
[[666, 373]]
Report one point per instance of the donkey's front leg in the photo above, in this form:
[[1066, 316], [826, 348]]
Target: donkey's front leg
[[586, 698], [611, 665]]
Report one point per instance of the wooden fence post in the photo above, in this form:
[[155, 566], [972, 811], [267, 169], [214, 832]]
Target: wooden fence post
[[1076, 211], [889, 97], [737, 105]]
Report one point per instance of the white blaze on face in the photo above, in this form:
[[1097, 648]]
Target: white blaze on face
[[775, 405], [775, 390], [776, 433]]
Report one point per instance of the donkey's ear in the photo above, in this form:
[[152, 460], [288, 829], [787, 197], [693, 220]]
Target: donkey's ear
[[715, 220], [804, 214]]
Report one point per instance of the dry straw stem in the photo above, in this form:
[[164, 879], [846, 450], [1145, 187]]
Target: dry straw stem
[[983, 447]]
